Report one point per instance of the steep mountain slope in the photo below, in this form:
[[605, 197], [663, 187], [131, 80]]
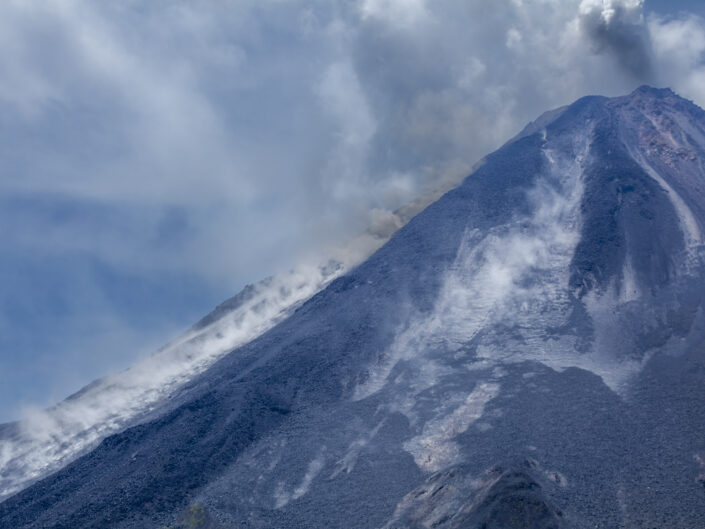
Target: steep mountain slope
[[526, 352]]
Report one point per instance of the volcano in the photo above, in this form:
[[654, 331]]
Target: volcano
[[528, 351]]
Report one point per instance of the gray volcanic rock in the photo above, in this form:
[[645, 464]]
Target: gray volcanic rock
[[502, 497], [515, 500], [528, 351]]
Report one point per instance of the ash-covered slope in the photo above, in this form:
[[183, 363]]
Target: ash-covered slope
[[529, 351]]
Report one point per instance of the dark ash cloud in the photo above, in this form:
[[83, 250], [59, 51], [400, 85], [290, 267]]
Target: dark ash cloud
[[617, 28]]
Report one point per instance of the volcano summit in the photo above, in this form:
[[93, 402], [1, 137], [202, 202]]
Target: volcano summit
[[528, 351]]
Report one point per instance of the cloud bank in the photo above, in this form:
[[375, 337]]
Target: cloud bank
[[221, 142]]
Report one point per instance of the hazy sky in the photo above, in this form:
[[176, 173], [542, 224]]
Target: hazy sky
[[157, 156]]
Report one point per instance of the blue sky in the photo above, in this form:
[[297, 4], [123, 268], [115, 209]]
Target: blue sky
[[674, 7], [157, 156]]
